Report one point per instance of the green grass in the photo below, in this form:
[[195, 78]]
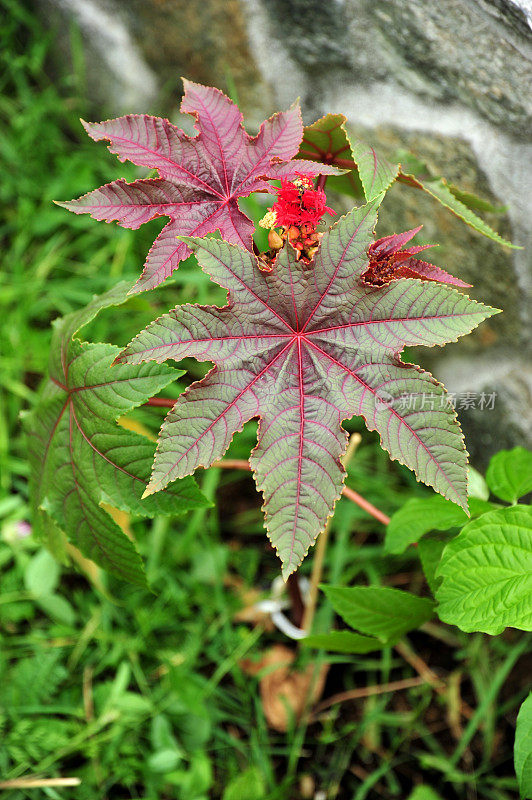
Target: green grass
[[142, 695]]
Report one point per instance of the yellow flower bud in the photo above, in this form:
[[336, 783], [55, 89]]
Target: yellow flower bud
[[274, 240], [268, 220]]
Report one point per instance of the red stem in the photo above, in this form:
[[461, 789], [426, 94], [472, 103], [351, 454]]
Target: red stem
[[322, 180], [365, 504], [160, 402], [355, 497]]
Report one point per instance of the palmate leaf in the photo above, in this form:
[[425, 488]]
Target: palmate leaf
[[389, 258], [80, 458], [200, 178], [327, 141], [303, 349]]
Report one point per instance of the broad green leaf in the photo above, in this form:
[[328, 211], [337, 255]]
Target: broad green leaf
[[486, 573], [80, 458], [523, 749], [438, 188], [342, 642], [380, 611], [162, 736], [164, 760], [419, 515], [303, 361], [509, 474], [46, 531], [58, 608]]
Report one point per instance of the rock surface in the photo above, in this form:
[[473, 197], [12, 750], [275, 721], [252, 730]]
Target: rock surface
[[450, 81]]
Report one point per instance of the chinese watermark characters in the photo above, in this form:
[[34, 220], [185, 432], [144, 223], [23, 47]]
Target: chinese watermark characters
[[461, 401]]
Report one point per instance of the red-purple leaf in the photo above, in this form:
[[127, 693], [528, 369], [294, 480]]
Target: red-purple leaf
[[200, 178], [415, 268], [304, 348], [387, 261]]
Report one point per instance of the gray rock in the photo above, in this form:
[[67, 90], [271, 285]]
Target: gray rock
[[450, 50], [118, 77], [491, 414], [137, 51], [453, 46], [515, 15]]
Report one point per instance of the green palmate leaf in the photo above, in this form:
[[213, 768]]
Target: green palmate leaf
[[327, 141], [438, 188], [509, 474], [523, 749], [419, 515], [486, 573], [304, 349], [343, 642], [80, 458], [380, 611]]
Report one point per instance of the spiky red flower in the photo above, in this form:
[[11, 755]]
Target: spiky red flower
[[298, 203], [387, 262]]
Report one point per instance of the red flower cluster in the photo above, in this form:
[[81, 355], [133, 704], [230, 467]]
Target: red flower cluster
[[298, 203]]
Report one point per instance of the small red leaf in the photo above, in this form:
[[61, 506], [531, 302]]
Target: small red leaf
[[388, 262]]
